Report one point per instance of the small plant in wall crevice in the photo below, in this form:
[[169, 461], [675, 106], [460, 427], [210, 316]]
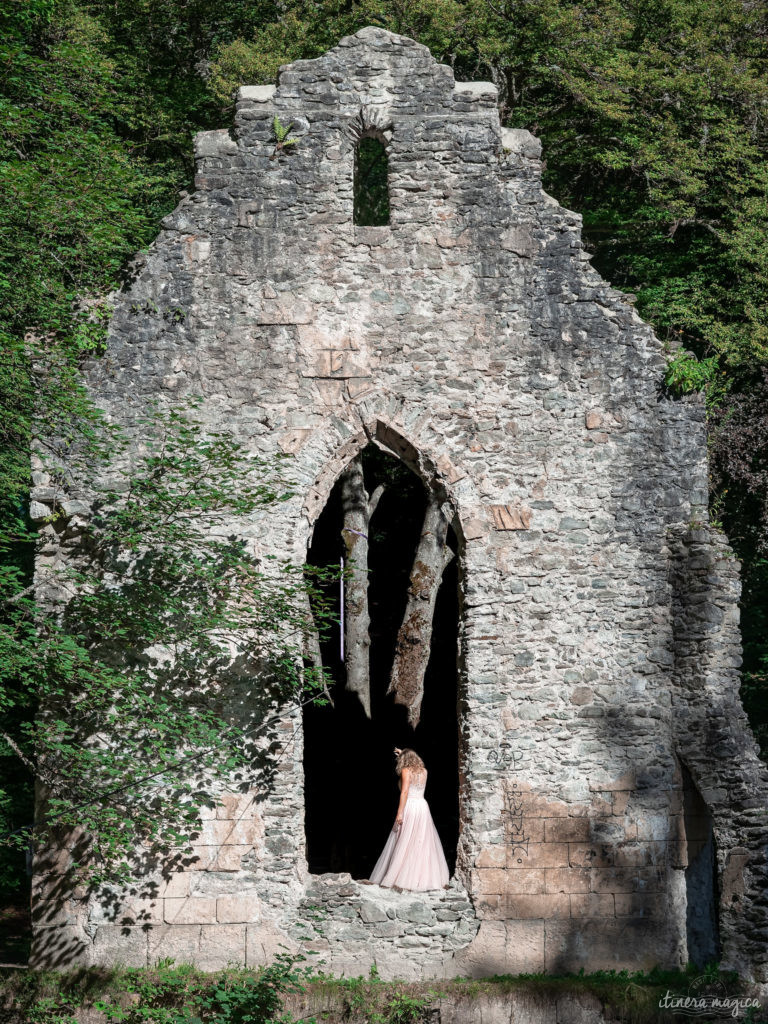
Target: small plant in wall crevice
[[284, 142]]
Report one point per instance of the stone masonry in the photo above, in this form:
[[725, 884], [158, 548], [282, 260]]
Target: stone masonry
[[599, 645]]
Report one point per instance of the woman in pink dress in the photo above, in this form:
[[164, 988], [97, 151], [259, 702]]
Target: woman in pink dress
[[413, 856]]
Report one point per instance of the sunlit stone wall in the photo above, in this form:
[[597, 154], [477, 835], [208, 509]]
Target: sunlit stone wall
[[599, 639]]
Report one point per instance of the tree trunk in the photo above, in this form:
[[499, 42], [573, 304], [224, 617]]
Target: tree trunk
[[415, 635], [312, 646], [358, 508]]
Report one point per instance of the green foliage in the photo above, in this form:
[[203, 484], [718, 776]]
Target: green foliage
[[97, 105], [169, 994], [686, 374], [94, 146], [182, 995], [75, 204], [653, 118], [293, 31], [371, 205], [382, 1002], [125, 705], [739, 476], [283, 139], [282, 131]]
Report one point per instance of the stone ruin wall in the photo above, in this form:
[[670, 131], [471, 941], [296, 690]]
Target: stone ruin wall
[[599, 638]]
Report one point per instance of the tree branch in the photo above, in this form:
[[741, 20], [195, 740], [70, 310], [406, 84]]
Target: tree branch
[[28, 764], [373, 501]]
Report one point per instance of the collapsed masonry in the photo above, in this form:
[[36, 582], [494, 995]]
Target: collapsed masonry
[[612, 804]]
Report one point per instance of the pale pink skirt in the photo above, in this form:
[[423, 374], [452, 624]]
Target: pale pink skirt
[[413, 856]]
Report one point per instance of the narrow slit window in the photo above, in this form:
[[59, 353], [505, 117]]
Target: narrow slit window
[[371, 183]]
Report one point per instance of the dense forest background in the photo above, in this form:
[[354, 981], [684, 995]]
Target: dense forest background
[[654, 120]]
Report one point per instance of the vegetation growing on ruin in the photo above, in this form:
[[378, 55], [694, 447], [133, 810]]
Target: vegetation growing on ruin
[[291, 990], [159, 660], [653, 116]]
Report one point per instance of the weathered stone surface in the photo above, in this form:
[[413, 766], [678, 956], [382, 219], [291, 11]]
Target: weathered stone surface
[[221, 945], [595, 944], [236, 909], [502, 947], [599, 634], [114, 944], [255, 93], [507, 517], [190, 910], [371, 914]]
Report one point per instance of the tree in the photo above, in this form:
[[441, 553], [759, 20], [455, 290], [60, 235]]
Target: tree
[[739, 470], [414, 637], [431, 555], [163, 674], [358, 508], [97, 106], [652, 114], [653, 119]]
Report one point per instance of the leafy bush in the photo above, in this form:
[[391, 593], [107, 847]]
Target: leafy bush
[[122, 703], [169, 994]]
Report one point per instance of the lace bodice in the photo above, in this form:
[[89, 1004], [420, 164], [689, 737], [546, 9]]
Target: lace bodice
[[417, 786]]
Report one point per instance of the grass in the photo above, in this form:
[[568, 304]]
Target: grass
[[52, 997], [631, 997]]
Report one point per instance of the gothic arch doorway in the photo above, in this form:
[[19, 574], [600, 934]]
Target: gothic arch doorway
[[350, 786]]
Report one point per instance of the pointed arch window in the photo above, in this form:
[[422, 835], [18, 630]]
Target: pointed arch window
[[371, 183]]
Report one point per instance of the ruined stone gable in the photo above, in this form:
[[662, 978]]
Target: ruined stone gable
[[598, 645]]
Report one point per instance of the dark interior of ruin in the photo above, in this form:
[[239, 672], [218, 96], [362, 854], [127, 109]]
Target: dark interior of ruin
[[700, 876], [351, 790], [371, 186]]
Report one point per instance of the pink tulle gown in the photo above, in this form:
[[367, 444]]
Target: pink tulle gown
[[413, 857]]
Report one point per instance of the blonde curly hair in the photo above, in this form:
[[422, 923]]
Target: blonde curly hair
[[408, 758]]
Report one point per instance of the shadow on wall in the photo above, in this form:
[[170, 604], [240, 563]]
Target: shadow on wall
[[610, 872], [64, 892]]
